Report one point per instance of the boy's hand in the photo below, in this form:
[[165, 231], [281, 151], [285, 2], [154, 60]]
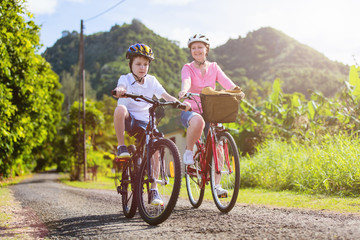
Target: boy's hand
[[119, 92], [188, 106]]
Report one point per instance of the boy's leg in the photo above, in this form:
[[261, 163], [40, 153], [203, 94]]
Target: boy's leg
[[120, 114]]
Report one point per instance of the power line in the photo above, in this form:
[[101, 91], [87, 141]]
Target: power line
[[89, 19]]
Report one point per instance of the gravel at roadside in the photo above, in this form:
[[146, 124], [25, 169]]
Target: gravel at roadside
[[58, 211]]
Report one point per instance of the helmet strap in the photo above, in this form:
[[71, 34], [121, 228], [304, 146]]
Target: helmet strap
[[137, 78]]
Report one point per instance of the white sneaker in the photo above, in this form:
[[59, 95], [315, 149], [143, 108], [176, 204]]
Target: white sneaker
[[188, 157], [155, 198], [220, 191]]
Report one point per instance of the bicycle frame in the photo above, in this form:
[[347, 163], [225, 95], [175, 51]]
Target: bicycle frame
[[147, 140], [205, 155], [216, 161]]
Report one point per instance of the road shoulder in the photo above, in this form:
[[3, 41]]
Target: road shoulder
[[18, 222]]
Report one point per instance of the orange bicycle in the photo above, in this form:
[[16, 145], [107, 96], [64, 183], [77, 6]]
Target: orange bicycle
[[216, 160]]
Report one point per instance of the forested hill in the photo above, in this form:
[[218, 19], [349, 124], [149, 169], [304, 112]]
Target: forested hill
[[105, 56], [267, 54], [262, 55]]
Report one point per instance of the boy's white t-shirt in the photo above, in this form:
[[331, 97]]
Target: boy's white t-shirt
[[139, 109]]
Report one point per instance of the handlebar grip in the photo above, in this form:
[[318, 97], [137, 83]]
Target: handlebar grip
[[113, 93], [182, 106]]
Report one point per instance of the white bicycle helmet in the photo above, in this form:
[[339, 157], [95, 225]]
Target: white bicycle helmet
[[198, 38]]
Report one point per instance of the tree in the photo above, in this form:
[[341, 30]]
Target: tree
[[30, 103]]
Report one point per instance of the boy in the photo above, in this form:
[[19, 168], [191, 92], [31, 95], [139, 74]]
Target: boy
[[129, 113]]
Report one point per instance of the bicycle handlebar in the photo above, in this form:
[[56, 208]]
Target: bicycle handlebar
[[175, 104], [190, 94]]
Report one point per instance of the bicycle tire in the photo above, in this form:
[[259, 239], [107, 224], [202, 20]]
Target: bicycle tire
[[230, 172], [168, 183], [128, 193], [194, 180]]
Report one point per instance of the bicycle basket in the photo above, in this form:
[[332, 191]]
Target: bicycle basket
[[219, 106]]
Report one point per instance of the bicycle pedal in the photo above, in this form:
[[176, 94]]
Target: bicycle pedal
[[119, 190], [224, 195]]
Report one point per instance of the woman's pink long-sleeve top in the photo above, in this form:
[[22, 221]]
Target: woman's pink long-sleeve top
[[198, 82]]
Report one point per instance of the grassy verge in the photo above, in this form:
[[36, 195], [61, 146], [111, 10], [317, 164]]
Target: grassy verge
[[286, 199], [7, 211], [5, 203]]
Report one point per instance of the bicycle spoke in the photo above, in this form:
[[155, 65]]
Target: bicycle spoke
[[194, 183], [225, 183], [167, 187]]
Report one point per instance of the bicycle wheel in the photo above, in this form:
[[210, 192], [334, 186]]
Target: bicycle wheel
[[225, 185], [165, 164], [127, 190], [195, 185]]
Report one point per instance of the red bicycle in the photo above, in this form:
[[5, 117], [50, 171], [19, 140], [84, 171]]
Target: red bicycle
[[216, 160]]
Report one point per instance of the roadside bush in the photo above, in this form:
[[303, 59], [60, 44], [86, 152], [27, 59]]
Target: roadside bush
[[329, 167]]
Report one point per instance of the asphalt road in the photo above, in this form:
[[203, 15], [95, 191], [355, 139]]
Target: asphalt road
[[58, 211]]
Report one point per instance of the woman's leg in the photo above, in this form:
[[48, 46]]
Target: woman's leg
[[196, 126]]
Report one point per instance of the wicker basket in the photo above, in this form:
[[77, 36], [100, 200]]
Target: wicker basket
[[220, 108]]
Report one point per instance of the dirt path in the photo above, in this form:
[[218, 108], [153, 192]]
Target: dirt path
[[61, 212]]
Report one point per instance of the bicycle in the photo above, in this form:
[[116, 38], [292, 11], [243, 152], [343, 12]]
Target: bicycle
[[215, 158], [154, 160]]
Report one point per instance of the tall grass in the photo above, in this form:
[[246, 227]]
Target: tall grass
[[331, 166]]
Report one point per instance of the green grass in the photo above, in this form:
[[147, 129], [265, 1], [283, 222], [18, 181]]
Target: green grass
[[13, 180], [102, 182], [331, 167], [5, 202]]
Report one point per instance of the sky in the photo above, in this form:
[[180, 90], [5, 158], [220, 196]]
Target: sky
[[328, 26]]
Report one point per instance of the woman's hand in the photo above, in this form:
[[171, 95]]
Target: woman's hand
[[241, 93], [182, 94]]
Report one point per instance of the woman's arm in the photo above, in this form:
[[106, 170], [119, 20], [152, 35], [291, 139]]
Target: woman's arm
[[224, 80], [185, 86], [168, 97], [185, 80]]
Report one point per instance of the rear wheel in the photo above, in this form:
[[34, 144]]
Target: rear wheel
[[165, 176], [127, 186], [194, 179], [225, 184]]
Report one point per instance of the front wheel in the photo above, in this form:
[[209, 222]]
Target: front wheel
[[194, 177], [165, 177], [225, 178]]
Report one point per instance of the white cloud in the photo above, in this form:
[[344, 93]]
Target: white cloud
[[42, 7], [181, 34], [171, 2]]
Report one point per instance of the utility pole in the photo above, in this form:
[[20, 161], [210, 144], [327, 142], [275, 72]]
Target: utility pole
[[82, 93]]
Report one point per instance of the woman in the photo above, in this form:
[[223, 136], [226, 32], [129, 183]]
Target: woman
[[195, 76]]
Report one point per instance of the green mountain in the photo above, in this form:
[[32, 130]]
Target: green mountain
[[262, 56], [105, 56], [267, 54]]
